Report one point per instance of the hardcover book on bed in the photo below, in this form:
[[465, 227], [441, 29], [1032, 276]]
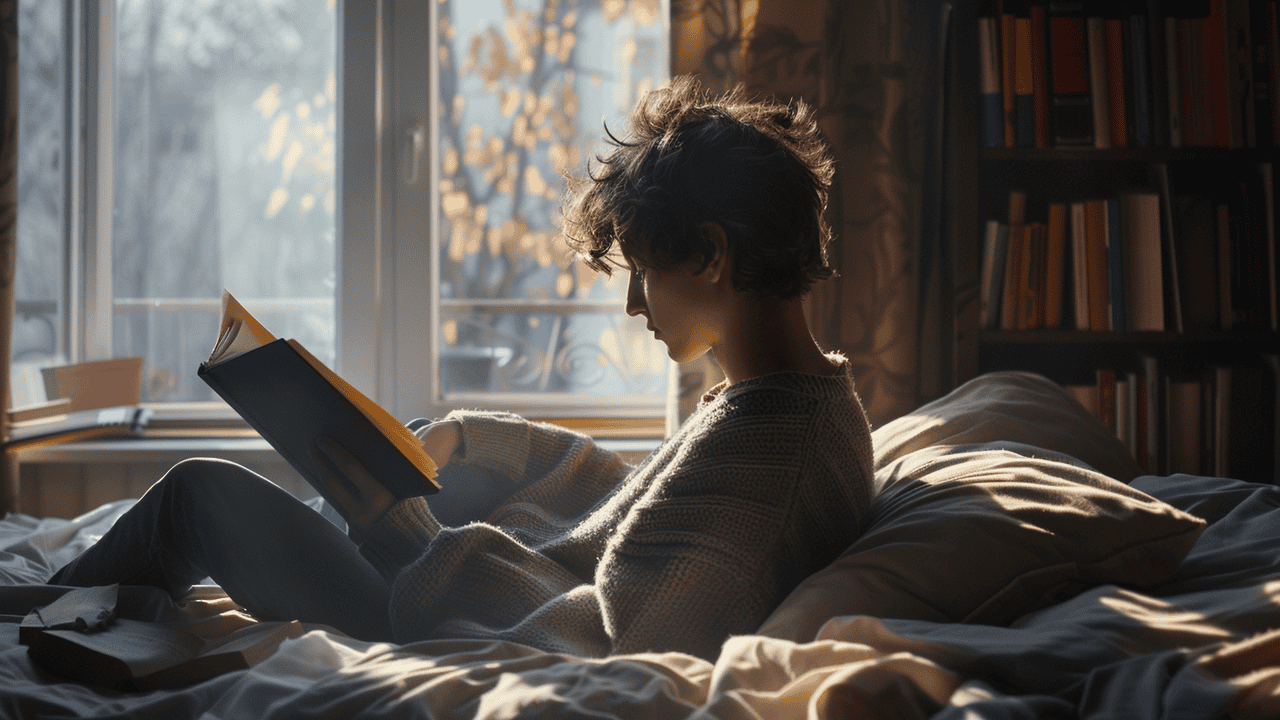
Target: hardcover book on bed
[[291, 398]]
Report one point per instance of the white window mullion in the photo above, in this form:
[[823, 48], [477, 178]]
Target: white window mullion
[[359, 192], [413, 182], [92, 202]]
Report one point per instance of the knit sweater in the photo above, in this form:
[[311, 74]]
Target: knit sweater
[[765, 483]]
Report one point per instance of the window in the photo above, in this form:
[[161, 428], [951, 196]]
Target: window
[[282, 149]]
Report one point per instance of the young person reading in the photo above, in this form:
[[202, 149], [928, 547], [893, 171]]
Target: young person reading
[[715, 207]]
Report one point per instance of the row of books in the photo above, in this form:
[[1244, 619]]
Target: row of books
[[1221, 421], [1137, 262], [1127, 73]]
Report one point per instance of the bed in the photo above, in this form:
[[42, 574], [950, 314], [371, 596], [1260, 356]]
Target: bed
[[1016, 565]]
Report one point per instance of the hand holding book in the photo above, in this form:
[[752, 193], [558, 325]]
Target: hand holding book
[[292, 400]]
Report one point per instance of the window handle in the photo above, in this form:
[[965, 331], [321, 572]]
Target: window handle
[[415, 142]]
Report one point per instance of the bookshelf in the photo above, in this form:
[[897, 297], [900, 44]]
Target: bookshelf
[[1111, 216]]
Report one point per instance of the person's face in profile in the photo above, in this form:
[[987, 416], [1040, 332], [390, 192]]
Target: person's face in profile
[[679, 306]]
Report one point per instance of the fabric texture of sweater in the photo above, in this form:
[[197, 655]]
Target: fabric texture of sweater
[[765, 483]]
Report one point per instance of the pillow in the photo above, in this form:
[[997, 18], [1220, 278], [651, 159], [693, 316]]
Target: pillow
[[984, 534], [1008, 406]]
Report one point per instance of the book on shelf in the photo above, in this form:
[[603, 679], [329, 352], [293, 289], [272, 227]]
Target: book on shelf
[[994, 254], [1055, 234], [292, 399], [128, 654], [1023, 84], [1143, 282], [1008, 76], [990, 87], [1039, 75], [1117, 304], [1079, 266], [1132, 73], [1070, 100], [1099, 94], [1097, 274]]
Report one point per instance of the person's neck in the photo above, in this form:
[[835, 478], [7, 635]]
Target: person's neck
[[769, 336]]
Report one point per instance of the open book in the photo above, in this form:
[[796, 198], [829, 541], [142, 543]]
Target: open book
[[291, 398], [79, 637]]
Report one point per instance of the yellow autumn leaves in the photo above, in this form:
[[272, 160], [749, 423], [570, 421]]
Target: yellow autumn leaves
[[302, 138]]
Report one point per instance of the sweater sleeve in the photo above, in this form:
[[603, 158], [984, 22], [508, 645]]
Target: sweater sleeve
[[547, 465]]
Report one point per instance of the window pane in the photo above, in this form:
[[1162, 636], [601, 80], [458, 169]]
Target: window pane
[[225, 134], [524, 85], [38, 328]]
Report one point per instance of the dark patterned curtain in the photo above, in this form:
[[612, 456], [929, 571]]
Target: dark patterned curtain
[[873, 70], [9, 91]]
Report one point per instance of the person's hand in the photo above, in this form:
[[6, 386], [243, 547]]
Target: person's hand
[[441, 440], [356, 493]]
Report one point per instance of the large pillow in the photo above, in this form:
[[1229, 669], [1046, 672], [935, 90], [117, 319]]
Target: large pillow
[[984, 534], [1008, 406]]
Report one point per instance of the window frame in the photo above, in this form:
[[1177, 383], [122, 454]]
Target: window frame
[[386, 225]]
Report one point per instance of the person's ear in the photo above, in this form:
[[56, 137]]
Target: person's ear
[[717, 264]]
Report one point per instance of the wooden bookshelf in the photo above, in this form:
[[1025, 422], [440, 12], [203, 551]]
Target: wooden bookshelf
[[1218, 218]]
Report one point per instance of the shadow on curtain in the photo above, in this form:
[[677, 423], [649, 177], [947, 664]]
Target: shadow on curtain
[[872, 70]]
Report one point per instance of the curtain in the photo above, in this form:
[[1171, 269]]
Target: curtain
[[9, 91], [873, 70]]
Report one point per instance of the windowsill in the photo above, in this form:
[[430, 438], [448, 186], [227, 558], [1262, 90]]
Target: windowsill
[[170, 450]]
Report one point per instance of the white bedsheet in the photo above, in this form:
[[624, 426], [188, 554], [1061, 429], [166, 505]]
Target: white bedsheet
[[1207, 640], [1203, 643]]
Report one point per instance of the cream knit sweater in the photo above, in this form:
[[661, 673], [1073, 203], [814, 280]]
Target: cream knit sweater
[[767, 482]]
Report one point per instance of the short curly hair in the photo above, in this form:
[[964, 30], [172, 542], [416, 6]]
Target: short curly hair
[[759, 169]]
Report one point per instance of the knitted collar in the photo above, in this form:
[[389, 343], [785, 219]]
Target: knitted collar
[[839, 379]]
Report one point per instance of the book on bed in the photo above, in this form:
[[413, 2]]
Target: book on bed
[[291, 398], [79, 636]]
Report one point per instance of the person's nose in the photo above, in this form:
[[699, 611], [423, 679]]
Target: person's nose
[[636, 304]]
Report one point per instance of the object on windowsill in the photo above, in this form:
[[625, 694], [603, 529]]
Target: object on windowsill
[[122, 421], [36, 411], [80, 638], [291, 399], [98, 384]]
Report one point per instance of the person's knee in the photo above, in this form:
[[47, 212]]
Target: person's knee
[[201, 480]]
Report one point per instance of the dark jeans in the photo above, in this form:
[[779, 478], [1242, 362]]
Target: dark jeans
[[273, 555]]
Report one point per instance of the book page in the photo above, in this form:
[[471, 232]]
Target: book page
[[238, 333]]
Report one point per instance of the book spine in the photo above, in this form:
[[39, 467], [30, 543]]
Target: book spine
[[1010, 305], [1117, 89], [1115, 267], [1140, 62], [1079, 266], [1031, 304], [1107, 398], [1226, 312], [1096, 259], [1024, 85], [1072, 115], [1214, 62], [1055, 258], [1039, 77], [1007, 77], [995, 251], [1168, 251], [1099, 94], [1142, 263], [1175, 71], [989, 64]]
